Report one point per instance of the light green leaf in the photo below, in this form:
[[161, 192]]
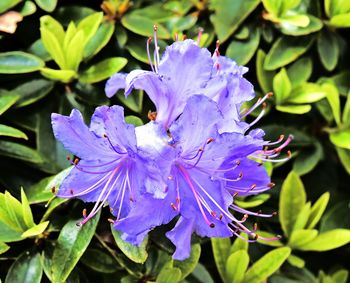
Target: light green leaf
[[281, 86], [102, 70], [28, 8], [328, 49], [3, 248], [346, 111], [70, 33], [6, 101], [221, 250], [35, 230], [169, 275], [59, 75], [228, 15], [137, 254], [306, 93], [26, 211], [74, 51], [297, 20], [300, 71], [27, 269], [243, 50], [133, 101], [301, 237], [134, 120], [236, 265], [47, 5], [239, 244], [344, 156], [332, 96], [252, 201], [340, 21], [294, 109], [302, 217], [89, 25], [7, 4], [296, 261], [317, 210], [340, 276], [53, 46], [188, 265], [267, 265], [315, 24], [12, 132], [143, 26], [54, 26], [286, 50], [38, 49], [71, 244], [18, 62], [341, 138], [292, 199], [328, 240]]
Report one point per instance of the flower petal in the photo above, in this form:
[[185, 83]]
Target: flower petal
[[115, 83]]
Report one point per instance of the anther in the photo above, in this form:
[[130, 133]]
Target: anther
[[221, 216], [274, 213], [255, 226], [238, 162], [213, 213], [155, 28], [269, 94], [68, 157], [53, 190], [245, 216], [76, 160], [131, 199], [170, 177], [252, 187], [200, 32], [210, 140], [240, 175], [71, 191], [212, 225], [84, 212], [256, 236], [152, 115], [173, 206], [235, 194], [289, 153], [271, 185], [110, 220], [177, 200]]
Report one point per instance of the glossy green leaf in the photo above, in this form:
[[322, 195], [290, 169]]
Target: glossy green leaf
[[328, 49], [228, 15], [317, 210], [89, 25], [169, 275], [20, 152], [307, 160], [267, 265], [27, 269], [286, 50], [264, 77], [281, 86], [315, 24], [188, 265], [236, 265], [38, 49], [137, 254], [344, 156], [7, 4], [54, 26], [18, 62], [300, 71], [71, 244], [221, 251], [243, 50], [12, 132], [302, 217], [328, 240], [340, 21], [102, 70], [292, 199], [346, 111], [296, 261], [143, 26], [74, 51], [28, 8], [99, 39], [341, 138], [336, 217], [294, 109], [35, 230], [3, 248], [301, 237], [134, 120], [59, 75], [306, 93], [99, 261], [7, 100], [47, 5]]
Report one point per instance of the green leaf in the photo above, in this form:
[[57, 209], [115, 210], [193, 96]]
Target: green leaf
[[38, 49], [267, 265], [188, 265], [12, 132], [53, 46], [99, 261], [134, 120], [344, 156], [58, 75], [292, 199], [47, 5], [7, 4], [143, 26], [89, 25], [54, 26], [296, 261], [71, 244], [135, 253], [6, 101], [286, 50], [300, 71], [3, 248], [240, 244], [236, 265], [133, 101], [294, 109], [27, 268], [32, 91], [306, 93], [317, 210], [18, 62], [74, 51], [328, 49], [299, 238], [169, 275], [302, 217], [264, 77], [36, 230], [281, 86], [102, 70], [21, 152], [328, 241], [274, 243], [252, 201], [340, 276], [315, 24], [333, 98], [26, 211], [243, 50], [221, 250], [346, 111], [28, 8], [201, 275], [99, 40], [340, 21], [228, 15], [341, 138], [307, 160]]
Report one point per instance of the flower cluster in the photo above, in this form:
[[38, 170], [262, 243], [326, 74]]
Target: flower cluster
[[188, 163]]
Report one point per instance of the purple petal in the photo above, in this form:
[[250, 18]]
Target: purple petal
[[115, 83]]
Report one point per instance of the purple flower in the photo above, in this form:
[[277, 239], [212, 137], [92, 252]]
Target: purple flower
[[109, 166], [206, 170]]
